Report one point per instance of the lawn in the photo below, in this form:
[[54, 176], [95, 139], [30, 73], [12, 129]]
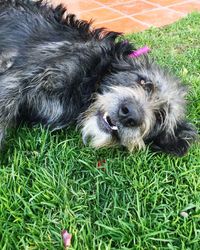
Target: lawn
[[50, 181]]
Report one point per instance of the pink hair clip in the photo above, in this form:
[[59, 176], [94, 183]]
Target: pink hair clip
[[140, 52]]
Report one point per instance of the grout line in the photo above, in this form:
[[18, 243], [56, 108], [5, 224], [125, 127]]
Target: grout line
[[117, 4], [176, 11], [137, 20], [146, 11], [157, 9], [159, 5], [167, 7], [175, 4], [155, 6], [184, 2], [83, 11], [110, 20], [123, 15], [101, 6]]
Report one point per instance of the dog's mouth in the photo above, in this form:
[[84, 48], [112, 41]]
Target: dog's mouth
[[107, 123]]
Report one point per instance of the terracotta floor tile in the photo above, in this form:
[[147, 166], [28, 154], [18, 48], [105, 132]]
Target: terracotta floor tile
[[107, 12], [99, 15], [112, 2], [77, 6], [165, 2], [159, 18], [133, 7], [187, 7], [125, 25]]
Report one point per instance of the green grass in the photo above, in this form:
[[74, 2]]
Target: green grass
[[50, 181]]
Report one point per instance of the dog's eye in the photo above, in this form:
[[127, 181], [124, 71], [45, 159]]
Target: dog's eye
[[141, 80], [148, 86]]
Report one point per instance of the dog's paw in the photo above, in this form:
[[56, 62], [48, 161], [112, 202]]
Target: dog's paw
[[177, 143]]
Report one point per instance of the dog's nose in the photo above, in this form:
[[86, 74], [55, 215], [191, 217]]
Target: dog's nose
[[130, 115]]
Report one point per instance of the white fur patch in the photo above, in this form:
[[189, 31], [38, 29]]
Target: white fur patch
[[92, 133], [108, 103]]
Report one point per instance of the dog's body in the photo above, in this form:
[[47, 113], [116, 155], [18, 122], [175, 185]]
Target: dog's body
[[59, 71]]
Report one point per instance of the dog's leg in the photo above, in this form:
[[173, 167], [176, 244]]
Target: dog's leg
[[7, 118], [10, 99], [177, 143]]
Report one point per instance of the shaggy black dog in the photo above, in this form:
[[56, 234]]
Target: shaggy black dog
[[57, 71]]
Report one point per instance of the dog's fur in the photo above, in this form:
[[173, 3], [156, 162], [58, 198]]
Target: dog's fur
[[57, 71]]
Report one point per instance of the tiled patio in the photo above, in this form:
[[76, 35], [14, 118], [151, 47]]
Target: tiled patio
[[130, 16]]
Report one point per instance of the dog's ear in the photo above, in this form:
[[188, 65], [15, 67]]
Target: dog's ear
[[176, 143]]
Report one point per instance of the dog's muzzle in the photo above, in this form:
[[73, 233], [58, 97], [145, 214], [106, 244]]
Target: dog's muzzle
[[128, 115]]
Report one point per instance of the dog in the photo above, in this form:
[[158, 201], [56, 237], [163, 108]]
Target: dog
[[57, 70]]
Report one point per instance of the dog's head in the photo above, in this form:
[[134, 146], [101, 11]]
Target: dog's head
[[137, 103]]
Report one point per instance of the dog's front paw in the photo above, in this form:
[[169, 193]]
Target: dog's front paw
[[178, 142]]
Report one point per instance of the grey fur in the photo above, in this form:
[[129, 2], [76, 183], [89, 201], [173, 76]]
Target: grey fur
[[58, 71]]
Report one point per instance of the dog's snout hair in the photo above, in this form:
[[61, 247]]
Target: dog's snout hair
[[57, 70]]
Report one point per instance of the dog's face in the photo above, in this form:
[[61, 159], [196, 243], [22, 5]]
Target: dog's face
[[138, 104]]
